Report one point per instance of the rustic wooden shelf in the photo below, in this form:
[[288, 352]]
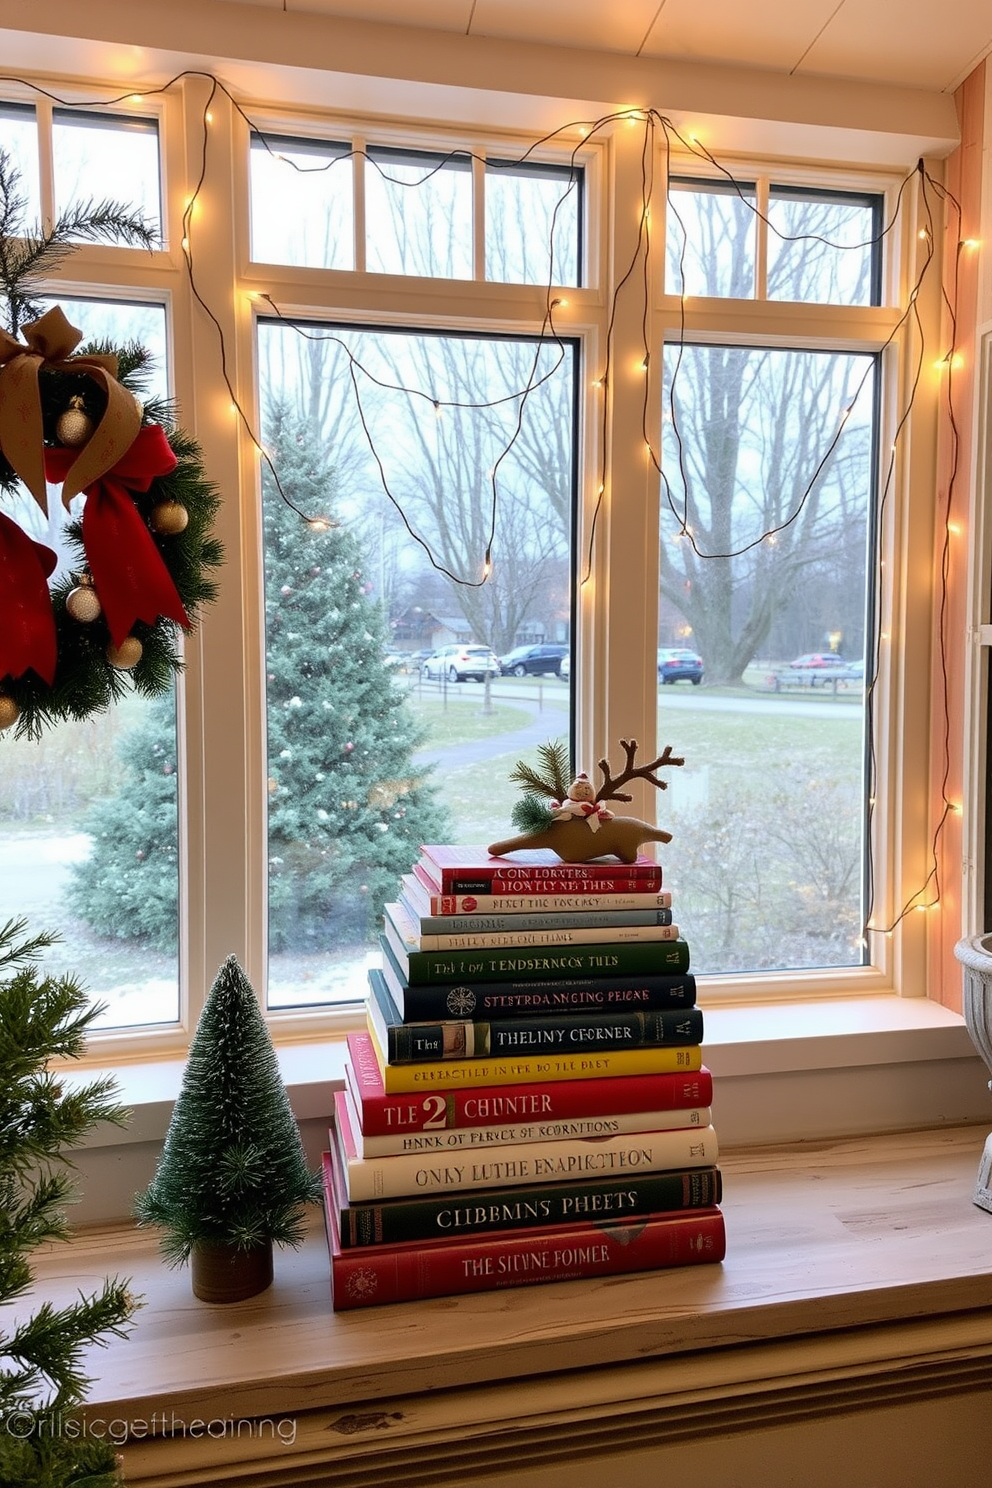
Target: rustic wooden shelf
[[845, 1260]]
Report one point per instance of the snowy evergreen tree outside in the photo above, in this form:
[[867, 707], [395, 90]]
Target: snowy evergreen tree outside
[[346, 810]]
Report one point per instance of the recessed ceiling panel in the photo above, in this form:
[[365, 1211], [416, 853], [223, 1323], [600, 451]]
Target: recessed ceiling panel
[[605, 25], [763, 33], [922, 44]]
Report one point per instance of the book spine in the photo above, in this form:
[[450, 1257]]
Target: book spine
[[497, 1000], [478, 1138], [495, 924], [422, 891], [363, 1278], [608, 959], [409, 1042], [618, 880], [400, 1079], [546, 936], [429, 1111], [405, 1220], [530, 1163]]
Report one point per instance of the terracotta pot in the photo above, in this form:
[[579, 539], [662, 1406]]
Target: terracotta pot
[[224, 1273]]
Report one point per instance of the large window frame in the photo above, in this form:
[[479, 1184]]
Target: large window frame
[[221, 712]]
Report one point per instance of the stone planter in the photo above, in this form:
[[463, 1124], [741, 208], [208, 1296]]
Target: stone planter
[[223, 1273], [975, 955]]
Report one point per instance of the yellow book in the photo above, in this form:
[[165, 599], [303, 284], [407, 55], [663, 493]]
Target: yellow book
[[406, 1079]]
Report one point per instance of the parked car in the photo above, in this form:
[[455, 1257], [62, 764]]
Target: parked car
[[679, 665], [461, 664], [533, 661], [819, 660]]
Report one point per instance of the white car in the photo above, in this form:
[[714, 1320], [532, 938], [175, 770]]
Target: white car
[[461, 663]]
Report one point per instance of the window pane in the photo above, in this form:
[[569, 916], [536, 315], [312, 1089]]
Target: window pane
[[19, 141], [116, 324], [530, 211], [768, 814], [710, 239], [101, 156], [302, 208], [88, 817], [834, 259], [418, 211], [388, 724]]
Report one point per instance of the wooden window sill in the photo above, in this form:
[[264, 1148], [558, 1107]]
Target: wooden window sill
[[846, 1260]]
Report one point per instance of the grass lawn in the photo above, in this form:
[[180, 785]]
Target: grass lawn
[[462, 722]]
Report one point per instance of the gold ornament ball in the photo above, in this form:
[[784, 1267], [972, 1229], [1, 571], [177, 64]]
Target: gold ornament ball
[[169, 518], [9, 712], [126, 655], [74, 427], [83, 604]]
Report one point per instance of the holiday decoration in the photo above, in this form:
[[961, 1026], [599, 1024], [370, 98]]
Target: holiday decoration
[[68, 417], [83, 603], [126, 655], [9, 712], [232, 1178], [573, 822], [41, 1383]]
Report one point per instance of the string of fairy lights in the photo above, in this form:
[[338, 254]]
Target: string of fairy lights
[[579, 136]]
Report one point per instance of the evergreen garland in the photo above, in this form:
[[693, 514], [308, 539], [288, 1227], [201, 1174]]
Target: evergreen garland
[[41, 1377], [232, 1171], [547, 781]]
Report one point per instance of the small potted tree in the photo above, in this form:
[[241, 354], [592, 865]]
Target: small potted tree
[[232, 1179]]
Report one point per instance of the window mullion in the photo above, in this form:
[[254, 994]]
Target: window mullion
[[478, 216], [761, 240], [46, 162], [358, 177]]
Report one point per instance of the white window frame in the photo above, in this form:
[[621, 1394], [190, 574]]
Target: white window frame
[[222, 807]]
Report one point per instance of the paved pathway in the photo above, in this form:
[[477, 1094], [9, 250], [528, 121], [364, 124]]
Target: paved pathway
[[547, 723]]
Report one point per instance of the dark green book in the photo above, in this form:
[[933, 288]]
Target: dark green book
[[420, 968], [457, 1038], [481, 1211]]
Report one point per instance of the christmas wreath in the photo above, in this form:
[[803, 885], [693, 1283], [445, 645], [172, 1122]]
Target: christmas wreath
[[141, 550]]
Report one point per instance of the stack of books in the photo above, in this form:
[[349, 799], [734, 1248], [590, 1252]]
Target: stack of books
[[529, 1102]]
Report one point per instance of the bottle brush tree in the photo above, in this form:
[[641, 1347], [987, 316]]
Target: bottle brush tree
[[232, 1174], [42, 1381]]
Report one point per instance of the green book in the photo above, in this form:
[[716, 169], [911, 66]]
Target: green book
[[640, 958]]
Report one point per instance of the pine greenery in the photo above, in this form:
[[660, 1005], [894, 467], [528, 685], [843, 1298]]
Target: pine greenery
[[41, 1355], [232, 1170], [548, 780], [347, 811]]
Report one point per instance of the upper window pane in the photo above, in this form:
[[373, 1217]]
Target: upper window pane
[[19, 142], [418, 210], [302, 209], [533, 223], [823, 247], [711, 239], [99, 156]]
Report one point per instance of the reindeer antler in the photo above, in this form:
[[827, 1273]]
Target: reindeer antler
[[608, 790]]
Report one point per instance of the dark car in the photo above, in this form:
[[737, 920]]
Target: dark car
[[533, 661], [678, 665]]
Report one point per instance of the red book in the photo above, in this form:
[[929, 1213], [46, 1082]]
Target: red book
[[370, 1275], [473, 1106], [471, 870]]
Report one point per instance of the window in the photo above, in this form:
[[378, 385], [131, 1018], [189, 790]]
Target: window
[[389, 348]]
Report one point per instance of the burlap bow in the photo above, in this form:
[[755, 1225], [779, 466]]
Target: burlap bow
[[49, 342]]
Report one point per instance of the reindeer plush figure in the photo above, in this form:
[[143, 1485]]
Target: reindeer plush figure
[[577, 827]]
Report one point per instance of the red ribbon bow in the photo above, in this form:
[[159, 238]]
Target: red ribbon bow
[[27, 624], [129, 574]]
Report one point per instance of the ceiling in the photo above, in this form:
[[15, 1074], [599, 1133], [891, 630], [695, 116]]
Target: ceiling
[[914, 43]]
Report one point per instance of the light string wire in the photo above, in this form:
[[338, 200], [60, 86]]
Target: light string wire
[[651, 119]]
